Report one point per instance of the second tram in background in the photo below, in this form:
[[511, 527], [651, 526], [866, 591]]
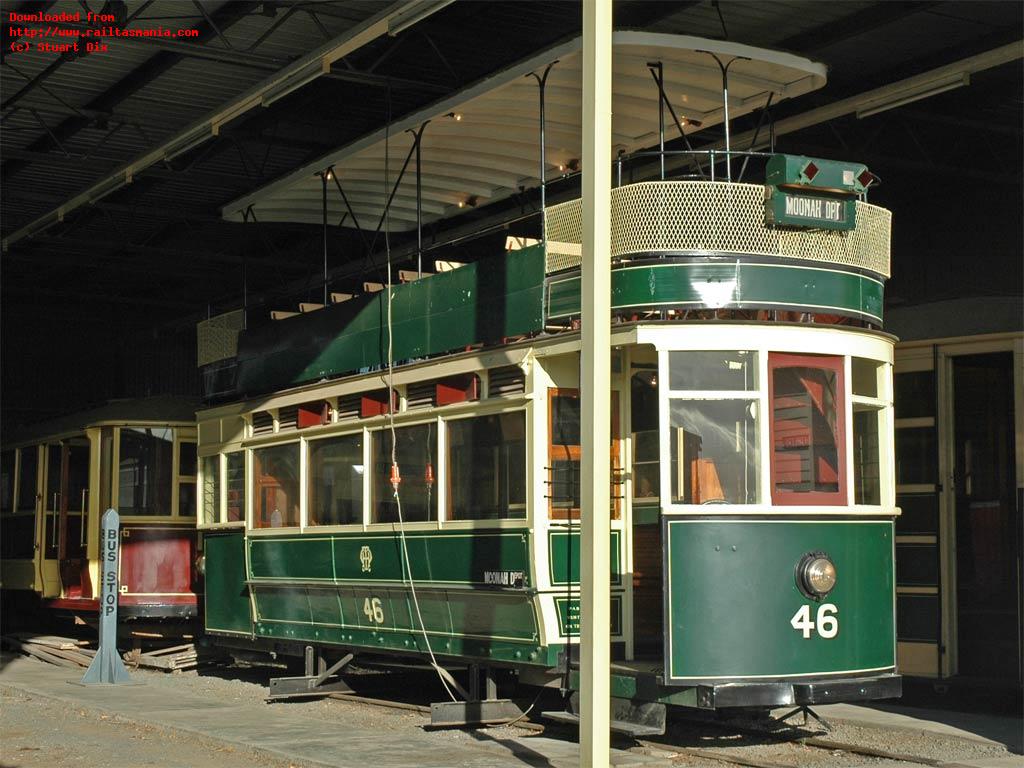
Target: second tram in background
[[56, 480]]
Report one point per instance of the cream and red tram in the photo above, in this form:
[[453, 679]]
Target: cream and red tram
[[752, 481], [56, 480]]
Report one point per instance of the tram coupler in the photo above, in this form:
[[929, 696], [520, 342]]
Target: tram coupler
[[311, 684]]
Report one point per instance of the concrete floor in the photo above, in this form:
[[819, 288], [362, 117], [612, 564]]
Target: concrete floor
[[293, 734]]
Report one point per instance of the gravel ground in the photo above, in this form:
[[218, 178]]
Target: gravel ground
[[40, 732], [35, 731]]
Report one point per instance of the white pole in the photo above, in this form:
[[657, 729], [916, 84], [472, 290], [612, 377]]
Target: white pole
[[595, 385]]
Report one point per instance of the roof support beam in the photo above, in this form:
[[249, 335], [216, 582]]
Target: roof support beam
[[287, 80], [982, 61]]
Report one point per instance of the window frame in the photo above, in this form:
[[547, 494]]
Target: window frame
[[666, 396], [616, 468], [306, 459], [445, 461], [252, 494]]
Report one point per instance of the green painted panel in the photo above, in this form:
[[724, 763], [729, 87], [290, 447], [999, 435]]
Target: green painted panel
[[472, 558], [487, 625], [482, 302], [569, 615], [732, 285], [732, 594], [292, 558], [226, 595], [564, 557]]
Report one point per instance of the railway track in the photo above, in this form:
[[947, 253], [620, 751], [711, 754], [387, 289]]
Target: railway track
[[718, 755]]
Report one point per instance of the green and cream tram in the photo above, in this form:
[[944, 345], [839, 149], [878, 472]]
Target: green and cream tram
[[427, 504]]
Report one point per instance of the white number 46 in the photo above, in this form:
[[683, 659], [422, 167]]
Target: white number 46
[[827, 621], [374, 610]]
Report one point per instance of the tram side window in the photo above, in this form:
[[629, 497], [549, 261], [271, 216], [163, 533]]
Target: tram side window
[[866, 469], [27, 479], [7, 482], [234, 471], [336, 480], [276, 486], [564, 451], [211, 490], [188, 462], [808, 461], [415, 453], [487, 467], [145, 471], [16, 530], [644, 422]]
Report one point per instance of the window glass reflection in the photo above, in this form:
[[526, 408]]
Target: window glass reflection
[[336, 481], [145, 471], [806, 429], [487, 467], [415, 449], [276, 486], [234, 471], [732, 370], [211, 489], [714, 452]]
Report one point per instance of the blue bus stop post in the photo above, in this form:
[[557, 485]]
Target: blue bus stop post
[[107, 666]]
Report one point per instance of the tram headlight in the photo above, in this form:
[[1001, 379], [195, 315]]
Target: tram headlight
[[816, 574], [200, 564]]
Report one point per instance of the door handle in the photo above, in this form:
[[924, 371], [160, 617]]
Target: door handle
[[53, 531], [81, 519]]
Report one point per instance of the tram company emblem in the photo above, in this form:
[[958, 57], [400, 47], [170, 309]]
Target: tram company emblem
[[366, 558]]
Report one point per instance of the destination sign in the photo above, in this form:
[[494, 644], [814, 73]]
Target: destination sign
[[810, 211]]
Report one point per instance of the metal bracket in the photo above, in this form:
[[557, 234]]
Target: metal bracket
[[310, 685], [807, 711], [474, 710]]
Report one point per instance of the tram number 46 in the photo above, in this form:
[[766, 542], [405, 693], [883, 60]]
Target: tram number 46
[[826, 621], [373, 610]]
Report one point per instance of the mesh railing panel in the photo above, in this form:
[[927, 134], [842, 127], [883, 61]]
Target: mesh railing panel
[[217, 338], [706, 216]]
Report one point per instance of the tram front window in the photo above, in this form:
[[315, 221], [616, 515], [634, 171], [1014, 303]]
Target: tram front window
[[145, 471], [806, 398], [713, 445]]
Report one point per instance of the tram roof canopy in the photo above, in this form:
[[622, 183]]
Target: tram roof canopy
[[482, 144]]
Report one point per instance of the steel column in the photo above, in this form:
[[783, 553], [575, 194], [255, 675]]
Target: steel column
[[595, 386], [323, 190]]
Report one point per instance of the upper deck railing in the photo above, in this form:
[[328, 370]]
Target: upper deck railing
[[713, 217]]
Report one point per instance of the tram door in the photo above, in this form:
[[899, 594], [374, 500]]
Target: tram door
[[988, 520], [66, 509]]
